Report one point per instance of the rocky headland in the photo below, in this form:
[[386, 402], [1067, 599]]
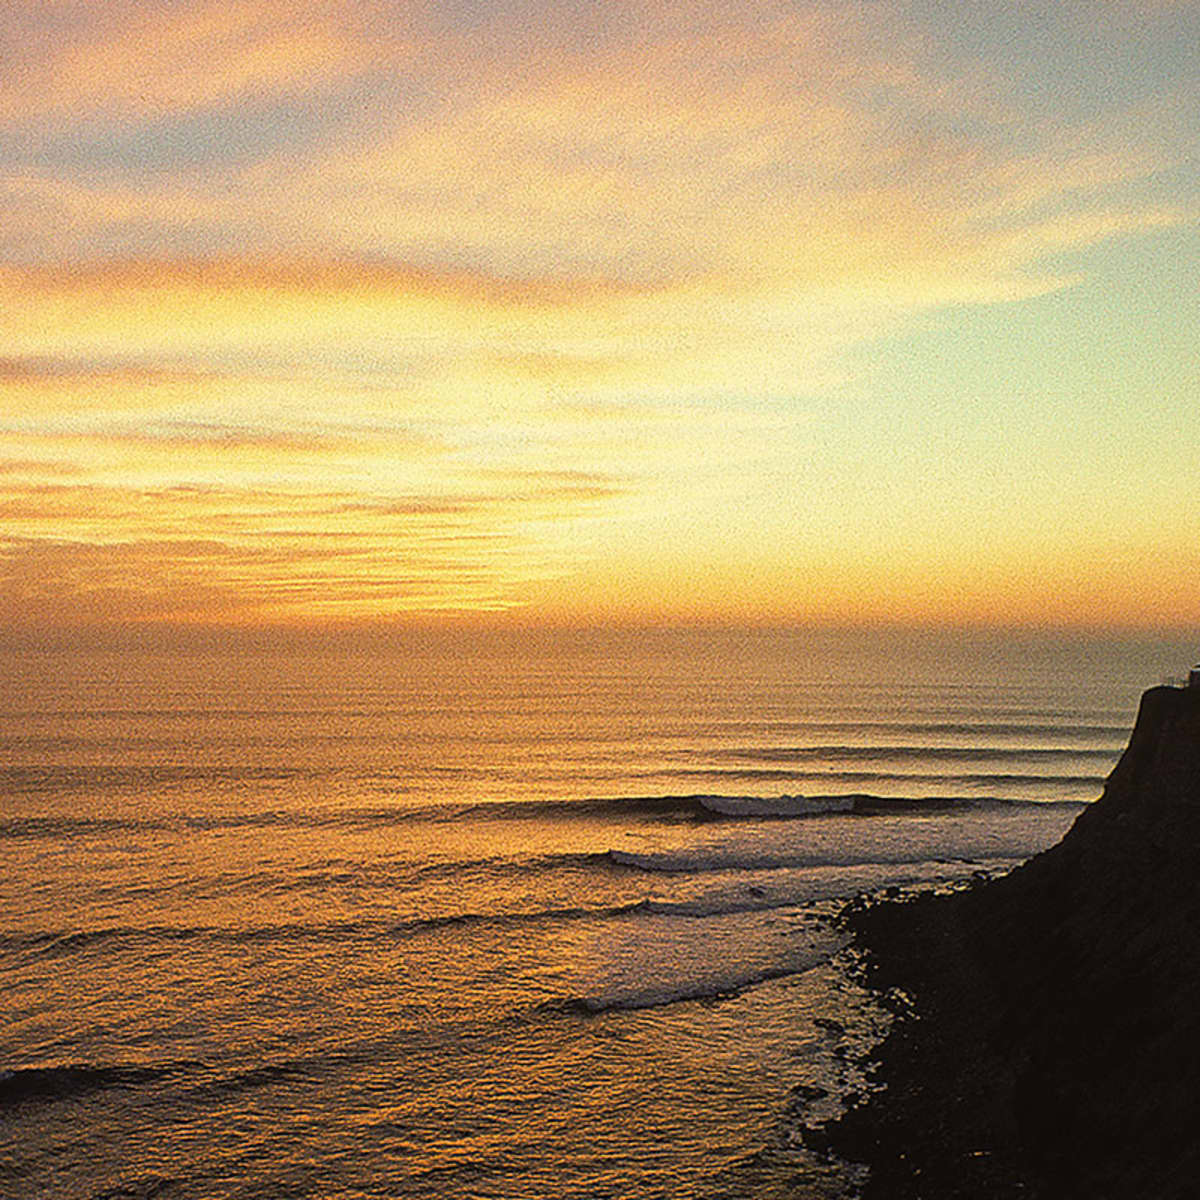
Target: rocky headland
[[1047, 1041]]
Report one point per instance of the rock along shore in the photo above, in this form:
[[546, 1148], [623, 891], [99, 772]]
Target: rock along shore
[[1048, 1042]]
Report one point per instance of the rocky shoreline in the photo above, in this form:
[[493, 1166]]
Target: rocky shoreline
[[1047, 1040]]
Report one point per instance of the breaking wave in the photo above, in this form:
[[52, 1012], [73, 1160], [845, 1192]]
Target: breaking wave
[[695, 806], [676, 862], [781, 806], [724, 987]]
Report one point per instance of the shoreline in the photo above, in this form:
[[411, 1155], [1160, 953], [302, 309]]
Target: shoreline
[[1052, 1044]]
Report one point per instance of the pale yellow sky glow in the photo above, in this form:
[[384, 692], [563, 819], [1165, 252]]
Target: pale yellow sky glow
[[784, 312]]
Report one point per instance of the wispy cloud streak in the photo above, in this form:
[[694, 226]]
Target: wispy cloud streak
[[412, 305]]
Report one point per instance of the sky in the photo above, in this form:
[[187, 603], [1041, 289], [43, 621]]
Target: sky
[[364, 310]]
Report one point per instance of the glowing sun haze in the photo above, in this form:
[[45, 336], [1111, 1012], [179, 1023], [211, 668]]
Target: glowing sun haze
[[689, 312]]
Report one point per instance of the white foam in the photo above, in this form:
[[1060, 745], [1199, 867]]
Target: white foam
[[779, 806], [738, 858], [728, 984]]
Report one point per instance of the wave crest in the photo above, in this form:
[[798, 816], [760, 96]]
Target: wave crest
[[780, 806], [73, 1079]]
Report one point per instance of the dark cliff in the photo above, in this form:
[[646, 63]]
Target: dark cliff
[[1053, 1046]]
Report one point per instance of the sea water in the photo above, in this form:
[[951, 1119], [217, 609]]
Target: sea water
[[467, 916]]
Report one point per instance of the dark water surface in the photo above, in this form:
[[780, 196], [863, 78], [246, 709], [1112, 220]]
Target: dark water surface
[[466, 919]]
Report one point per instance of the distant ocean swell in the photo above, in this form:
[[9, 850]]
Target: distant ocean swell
[[909, 753], [196, 1079], [1054, 727], [66, 779], [49, 942], [1033, 721], [700, 806], [824, 778]]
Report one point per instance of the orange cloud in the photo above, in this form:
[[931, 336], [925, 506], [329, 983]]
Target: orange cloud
[[555, 301], [128, 61], [106, 552]]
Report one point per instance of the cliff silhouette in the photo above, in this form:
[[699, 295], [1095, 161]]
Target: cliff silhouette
[[1047, 1041]]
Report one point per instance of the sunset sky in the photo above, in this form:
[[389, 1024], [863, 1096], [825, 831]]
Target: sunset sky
[[581, 312]]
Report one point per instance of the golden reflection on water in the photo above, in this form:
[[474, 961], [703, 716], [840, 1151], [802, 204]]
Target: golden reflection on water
[[410, 923]]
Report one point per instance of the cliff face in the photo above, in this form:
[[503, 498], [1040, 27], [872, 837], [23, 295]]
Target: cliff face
[[1057, 1048], [1159, 773]]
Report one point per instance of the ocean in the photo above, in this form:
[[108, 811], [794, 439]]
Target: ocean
[[462, 916]]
